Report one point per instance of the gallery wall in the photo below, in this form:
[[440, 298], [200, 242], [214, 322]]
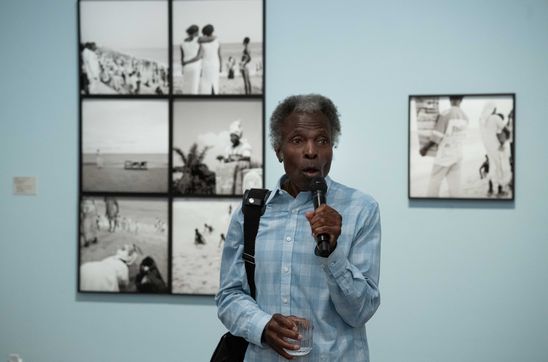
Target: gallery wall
[[460, 281]]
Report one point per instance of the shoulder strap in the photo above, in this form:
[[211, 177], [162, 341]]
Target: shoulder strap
[[253, 206]]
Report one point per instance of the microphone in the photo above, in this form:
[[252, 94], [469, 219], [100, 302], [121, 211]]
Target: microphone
[[318, 187]]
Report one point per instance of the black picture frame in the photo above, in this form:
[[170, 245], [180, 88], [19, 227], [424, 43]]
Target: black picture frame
[[136, 123], [462, 146]]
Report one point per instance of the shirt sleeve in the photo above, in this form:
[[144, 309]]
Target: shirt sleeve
[[353, 279], [236, 309]]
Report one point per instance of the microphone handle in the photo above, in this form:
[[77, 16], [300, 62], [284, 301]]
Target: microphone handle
[[318, 198], [322, 240], [322, 246]]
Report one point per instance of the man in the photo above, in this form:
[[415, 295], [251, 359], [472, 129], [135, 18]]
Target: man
[[91, 67], [341, 289], [448, 133], [237, 158], [495, 136], [111, 212], [239, 150]]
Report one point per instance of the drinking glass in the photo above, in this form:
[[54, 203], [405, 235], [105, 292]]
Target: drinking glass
[[305, 329]]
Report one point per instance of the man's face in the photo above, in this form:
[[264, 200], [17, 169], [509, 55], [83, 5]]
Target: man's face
[[235, 139], [306, 148]]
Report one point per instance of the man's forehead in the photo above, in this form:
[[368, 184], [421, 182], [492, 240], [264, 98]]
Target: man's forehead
[[302, 120]]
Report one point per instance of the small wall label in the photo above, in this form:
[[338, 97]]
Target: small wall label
[[24, 185]]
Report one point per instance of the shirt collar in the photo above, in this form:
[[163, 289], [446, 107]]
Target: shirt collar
[[278, 189]]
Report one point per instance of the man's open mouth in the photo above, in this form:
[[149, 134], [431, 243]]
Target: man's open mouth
[[311, 171]]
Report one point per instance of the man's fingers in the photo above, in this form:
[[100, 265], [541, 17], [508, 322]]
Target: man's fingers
[[279, 331], [283, 322], [325, 220], [280, 344]]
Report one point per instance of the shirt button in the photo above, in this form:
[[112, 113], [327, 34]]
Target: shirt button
[[286, 269], [288, 238], [284, 300]]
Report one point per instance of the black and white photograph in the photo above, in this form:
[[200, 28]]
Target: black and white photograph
[[123, 245], [199, 232], [218, 47], [124, 47], [125, 145], [217, 146], [462, 146]]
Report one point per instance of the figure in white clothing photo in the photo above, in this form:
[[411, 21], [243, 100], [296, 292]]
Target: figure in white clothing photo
[[448, 134], [495, 136], [190, 62], [210, 54], [240, 149], [99, 159], [91, 67]]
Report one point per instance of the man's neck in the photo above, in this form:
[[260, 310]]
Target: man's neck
[[290, 188]]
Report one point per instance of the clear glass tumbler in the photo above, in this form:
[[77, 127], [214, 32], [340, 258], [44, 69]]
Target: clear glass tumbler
[[305, 341]]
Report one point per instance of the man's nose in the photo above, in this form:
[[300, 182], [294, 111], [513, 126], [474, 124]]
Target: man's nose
[[310, 150]]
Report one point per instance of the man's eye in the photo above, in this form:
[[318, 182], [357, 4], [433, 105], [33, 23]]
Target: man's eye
[[295, 140], [323, 141]]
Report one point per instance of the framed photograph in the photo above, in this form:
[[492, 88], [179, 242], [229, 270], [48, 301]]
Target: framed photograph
[[217, 146], [124, 47], [124, 145], [123, 245], [462, 146], [199, 231], [218, 47], [171, 134]]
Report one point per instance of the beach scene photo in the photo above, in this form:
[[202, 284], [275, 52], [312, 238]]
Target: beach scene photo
[[482, 140], [123, 245], [124, 146], [199, 231], [223, 42], [123, 47], [217, 146]]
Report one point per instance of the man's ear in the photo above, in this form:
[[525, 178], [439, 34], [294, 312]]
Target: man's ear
[[279, 155]]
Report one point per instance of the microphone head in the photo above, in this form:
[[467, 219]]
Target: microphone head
[[318, 184]]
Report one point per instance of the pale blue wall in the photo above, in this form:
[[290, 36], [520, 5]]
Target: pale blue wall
[[460, 281]]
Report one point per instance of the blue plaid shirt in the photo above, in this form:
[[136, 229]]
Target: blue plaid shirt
[[341, 290]]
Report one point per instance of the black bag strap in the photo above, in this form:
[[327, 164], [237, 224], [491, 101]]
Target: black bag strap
[[253, 206]]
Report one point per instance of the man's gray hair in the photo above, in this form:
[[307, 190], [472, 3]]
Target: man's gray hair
[[304, 103]]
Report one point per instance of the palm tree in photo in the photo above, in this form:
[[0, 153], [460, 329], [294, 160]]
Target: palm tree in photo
[[196, 177]]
